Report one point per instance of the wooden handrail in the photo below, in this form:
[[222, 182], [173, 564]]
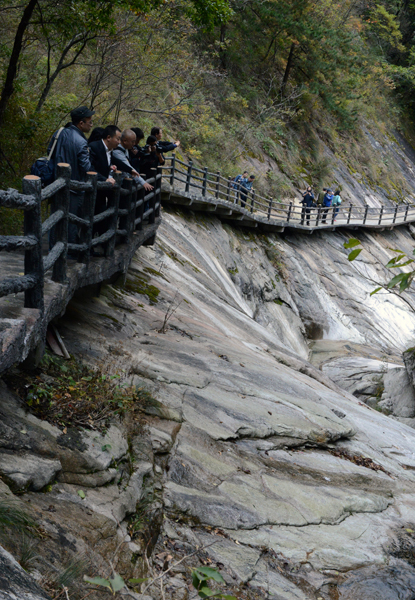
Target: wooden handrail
[[221, 188], [129, 211]]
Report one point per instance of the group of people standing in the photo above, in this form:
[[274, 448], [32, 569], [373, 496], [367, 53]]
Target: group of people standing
[[330, 199], [107, 150]]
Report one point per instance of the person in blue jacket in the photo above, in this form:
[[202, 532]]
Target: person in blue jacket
[[327, 200], [72, 148], [246, 186]]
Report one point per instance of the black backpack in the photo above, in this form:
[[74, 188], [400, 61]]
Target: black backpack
[[45, 167]]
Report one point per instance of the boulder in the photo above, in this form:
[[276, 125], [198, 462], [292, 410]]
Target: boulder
[[15, 583], [28, 471]]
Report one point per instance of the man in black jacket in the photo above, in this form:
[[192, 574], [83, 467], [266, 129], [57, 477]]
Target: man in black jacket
[[157, 132], [104, 163], [101, 156]]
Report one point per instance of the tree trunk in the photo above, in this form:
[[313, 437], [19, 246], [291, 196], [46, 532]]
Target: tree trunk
[[8, 87], [288, 68]]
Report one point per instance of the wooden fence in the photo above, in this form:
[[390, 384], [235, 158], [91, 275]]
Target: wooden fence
[[188, 178], [45, 244]]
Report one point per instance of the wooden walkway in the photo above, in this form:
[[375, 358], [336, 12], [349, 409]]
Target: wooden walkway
[[210, 192], [38, 279]]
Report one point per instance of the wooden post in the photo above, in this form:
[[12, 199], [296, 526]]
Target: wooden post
[[173, 168], [139, 211], [406, 213], [350, 213], [204, 182], [113, 202], [253, 201], [217, 184], [318, 215], [152, 215], [333, 215], [33, 261], [380, 215], [189, 175], [289, 212], [87, 213], [60, 231], [269, 208], [228, 191], [396, 212], [131, 216], [126, 223], [158, 194], [365, 215]]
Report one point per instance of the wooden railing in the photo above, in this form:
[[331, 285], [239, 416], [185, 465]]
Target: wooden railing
[[188, 178], [46, 246]]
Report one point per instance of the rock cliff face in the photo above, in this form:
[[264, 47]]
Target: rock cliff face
[[265, 358]]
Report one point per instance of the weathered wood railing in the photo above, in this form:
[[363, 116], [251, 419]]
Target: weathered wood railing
[[189, 178], [128, 206]]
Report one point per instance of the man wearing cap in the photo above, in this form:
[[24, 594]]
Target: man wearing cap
[[72, 148], [246, 186]]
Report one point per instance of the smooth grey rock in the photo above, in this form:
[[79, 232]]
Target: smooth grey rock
[[245, 503], [89, 451], [112, 501], [163, 434], [398, 394], [91, 480], [274, 584], [28, 471], [359, 375], [355, 542], [15, 583]]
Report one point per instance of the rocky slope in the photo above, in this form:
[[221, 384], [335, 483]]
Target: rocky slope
[[264, 453], [275, 438]]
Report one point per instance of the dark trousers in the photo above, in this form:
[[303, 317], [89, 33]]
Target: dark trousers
[[243, 199], [324, 214], [305, 214]]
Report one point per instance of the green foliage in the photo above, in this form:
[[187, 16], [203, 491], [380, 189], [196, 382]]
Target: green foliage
[[403, 280], [73, 569], [70, 394], [28, 553], [214, 77], [114, 585], [351, 243], [354, 254], [200, 578], [385, 26], [14, 517]]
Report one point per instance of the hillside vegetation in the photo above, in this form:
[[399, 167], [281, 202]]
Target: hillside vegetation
[[236, 80]]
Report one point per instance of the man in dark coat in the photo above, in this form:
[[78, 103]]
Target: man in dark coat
[[308, 203], [104, 163], [101, 153], [152, 158], [162, 147], [72, 148]]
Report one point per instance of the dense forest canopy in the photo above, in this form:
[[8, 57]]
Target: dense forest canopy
[[229, 77]]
